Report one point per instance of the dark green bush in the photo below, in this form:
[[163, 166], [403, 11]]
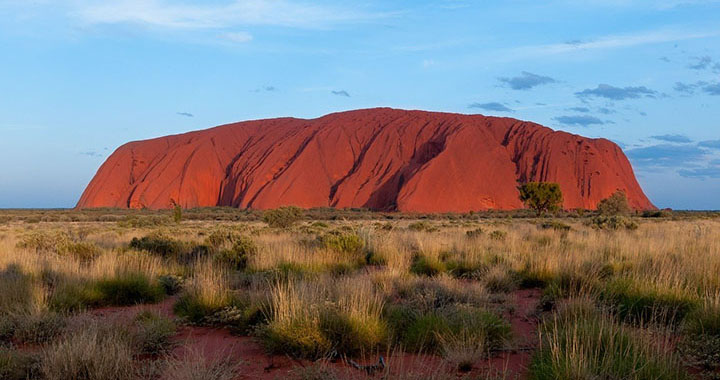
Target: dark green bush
[[283, 217], [638, 303], [427, 266], [238, 256], [162, 246], [613, 223], [338, 241], [474, 233], [129, 289]]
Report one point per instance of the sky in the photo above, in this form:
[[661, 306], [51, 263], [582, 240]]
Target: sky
[[78, 78]]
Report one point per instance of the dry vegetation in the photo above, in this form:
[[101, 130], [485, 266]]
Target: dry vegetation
[[622, 297]]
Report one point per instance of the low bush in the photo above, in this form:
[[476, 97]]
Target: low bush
[[446, 329], [426, 265], [555, 225], [474, 233], [16, 365], [348, 242], [196, 366], [643, 303], [580, 343], [613, 223], [237, 257], [38, 328], [422, 226], [128, 289], [283, 217], [498, 235], [171, 284], [152, 333], [89, 353], [160, 245]]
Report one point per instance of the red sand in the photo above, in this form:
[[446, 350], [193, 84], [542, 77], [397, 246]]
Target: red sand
[[381, 159]]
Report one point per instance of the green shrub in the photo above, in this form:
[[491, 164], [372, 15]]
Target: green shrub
[[417, 331], [38, 328], [83, 252], [642, 303], [498, 235], [613, 223], [129, 289], [422, 226], [124, 289], [301, 338], [342, 242], [583, 344], [351, 335], [474, 233], [134, 221], [555, 225], [237, 257], [283, 217], [541, 196], [239, 319], [16, 365], [428, 266], [616, 204], [171, 284], [162, 246], [152, 333]]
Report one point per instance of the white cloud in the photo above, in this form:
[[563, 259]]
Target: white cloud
[[609, 42], [238, 37], [168, 14]]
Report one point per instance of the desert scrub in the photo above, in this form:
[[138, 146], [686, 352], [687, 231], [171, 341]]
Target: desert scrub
[[196, 366], [89, 353], [37, 328], [582, 343], [16, 365], [446, 330], [161, 245], [346, 242], [152, 333], [427, 265], [311, 319], [238, 255], [613, 223], [642, 302], [206, 293], [283, 217], [125, 288]]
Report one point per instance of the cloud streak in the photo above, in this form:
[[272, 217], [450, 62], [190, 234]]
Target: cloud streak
[[526, 81], [340, 93], [492, 106], [681, 139], [579, 120], [616, 93], [186, 114], [166, 14]]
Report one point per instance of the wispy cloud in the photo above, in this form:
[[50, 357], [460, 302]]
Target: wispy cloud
[[492, 106], [712, 89], [526, 81], [237, 37], [213, 15], [667, 155], [616, 93], [701, 63], [712, 144], [611, 42], [673, 138], [579, 120], [92, 153], [186, 114], [340, 93]]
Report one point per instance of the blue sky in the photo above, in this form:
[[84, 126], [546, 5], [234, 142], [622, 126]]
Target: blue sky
[[78, 78]]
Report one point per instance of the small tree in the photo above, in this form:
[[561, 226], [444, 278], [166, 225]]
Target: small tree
[[541, 196], [177, 211], [615, 204], [282, 217]]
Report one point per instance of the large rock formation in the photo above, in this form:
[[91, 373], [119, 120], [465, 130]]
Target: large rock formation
[[382, 159]]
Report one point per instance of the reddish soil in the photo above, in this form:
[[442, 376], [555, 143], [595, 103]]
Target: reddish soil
[[254, 363], [381, 159]]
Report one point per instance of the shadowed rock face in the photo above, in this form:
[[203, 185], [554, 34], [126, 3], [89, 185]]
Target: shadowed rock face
[[382, 159]]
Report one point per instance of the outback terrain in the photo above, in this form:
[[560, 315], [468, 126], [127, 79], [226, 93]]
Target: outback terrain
[[332, 294]]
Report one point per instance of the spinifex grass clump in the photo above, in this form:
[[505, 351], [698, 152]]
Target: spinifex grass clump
[[313, 319], [580, 342], [124, 288]]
